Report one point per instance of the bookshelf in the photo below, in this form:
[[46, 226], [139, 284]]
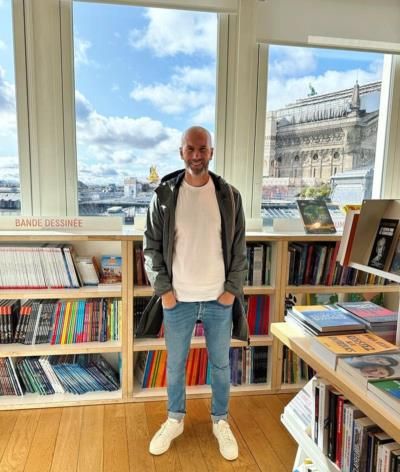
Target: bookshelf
[[127, 347], [91, 243]]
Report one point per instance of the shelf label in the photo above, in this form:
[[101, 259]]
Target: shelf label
[[63, 223]]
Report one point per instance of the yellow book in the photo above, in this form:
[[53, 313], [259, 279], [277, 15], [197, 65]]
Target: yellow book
[[356, 344], [66, 322], [329, 348]]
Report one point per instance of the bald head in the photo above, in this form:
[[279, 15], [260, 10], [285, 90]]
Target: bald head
[[196, 130]]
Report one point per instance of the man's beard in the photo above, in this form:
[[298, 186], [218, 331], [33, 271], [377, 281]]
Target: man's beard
[[198, 170]]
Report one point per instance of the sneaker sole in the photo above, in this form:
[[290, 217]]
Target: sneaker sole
[[158, 452]]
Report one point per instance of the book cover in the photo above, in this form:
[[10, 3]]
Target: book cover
[[316, 217], [356, 344], [326, 319], [369, 311], [386, 390], [395, 263], [382, 243], [371, 367], [111, 269]]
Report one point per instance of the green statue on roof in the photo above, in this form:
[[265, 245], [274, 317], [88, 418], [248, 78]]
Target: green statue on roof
[[312, 91]]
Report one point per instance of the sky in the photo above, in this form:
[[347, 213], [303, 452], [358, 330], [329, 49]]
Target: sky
[[142, 76]]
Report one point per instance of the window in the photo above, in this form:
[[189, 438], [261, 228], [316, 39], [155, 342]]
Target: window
[[142, 76], [323, 108], [10, 201]]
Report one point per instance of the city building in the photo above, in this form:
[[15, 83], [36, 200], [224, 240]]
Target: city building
[[318, 137]]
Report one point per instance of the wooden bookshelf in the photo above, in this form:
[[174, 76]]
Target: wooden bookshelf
[[100, 242], [298, 342]]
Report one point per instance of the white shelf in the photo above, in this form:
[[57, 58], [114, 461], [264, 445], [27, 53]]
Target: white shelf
[[198, 391], [19, 350], [342, 288], [308, 446], [34, 400], [198, 342], [64, 293]]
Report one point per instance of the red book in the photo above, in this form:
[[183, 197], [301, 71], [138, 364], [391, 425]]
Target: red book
[[346, 258], [339, 430], [332, 265]]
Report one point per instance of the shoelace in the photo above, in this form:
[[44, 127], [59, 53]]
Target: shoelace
[[164, 429], [226, 432]]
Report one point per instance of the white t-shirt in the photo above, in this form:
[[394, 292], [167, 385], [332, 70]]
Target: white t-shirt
[[198, 272]]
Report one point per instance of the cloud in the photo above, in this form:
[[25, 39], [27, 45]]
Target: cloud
[[83, 108], [291, 61], [281, 92], [171, 32], [9, 168], [8, 122], [111, 148], [191, 90], [3, 45], [81, 47]]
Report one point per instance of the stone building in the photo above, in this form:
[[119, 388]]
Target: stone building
[[315, 138]]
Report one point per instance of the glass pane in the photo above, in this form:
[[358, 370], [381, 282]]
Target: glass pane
[[142, 76], [321, 128], [10, 201]]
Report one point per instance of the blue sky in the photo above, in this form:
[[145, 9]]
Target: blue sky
[[144, 75]]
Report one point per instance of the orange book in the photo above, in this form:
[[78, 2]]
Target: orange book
[[162, 367]]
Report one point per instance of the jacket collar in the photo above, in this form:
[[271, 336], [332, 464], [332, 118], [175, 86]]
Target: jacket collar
[[172, 181]]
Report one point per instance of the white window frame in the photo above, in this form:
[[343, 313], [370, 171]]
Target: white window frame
[[220, 6], [271, 25]]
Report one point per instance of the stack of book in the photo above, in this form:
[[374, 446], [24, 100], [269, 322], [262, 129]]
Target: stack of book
[[377, 319], [259, 264], [323, 320]]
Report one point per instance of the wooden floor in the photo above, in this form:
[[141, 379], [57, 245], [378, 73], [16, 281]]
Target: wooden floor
[[115, 438]]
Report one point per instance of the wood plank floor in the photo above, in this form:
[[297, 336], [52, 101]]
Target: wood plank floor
[[115, 438]]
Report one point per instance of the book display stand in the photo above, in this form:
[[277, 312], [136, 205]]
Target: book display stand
[[374, 215]]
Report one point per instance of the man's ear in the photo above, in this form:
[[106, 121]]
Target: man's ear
[[181, 152], [212, 153]]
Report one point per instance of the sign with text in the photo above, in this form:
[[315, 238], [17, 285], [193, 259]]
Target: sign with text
[[61, 223]]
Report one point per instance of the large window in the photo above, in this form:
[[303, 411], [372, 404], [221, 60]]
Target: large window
[[142, 76], [321, 127], [10, 202]]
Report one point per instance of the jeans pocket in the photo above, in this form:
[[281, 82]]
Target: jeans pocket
[[171, 308], [222, 305]]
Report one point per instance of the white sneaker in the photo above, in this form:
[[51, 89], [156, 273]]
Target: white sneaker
[[161, 441], [227, 443]]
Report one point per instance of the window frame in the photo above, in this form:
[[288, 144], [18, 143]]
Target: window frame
[[221, 103]]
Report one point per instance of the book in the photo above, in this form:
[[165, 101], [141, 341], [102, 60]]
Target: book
[[330, 348], [364, 368], [395, 263], [346, 242], [111, 269], [327, 319], [316, 217], [382, 243], [87, 270], [387, 391], [369, 312]]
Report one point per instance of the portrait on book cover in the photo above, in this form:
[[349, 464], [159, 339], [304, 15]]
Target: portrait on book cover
[[382, 243]]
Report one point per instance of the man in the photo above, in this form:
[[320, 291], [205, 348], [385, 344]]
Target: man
[[195, 255]]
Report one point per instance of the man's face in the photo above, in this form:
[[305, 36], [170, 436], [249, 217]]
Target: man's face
[[380, 246], [197, 152]]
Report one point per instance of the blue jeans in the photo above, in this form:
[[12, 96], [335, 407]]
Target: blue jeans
[[179, 323]]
